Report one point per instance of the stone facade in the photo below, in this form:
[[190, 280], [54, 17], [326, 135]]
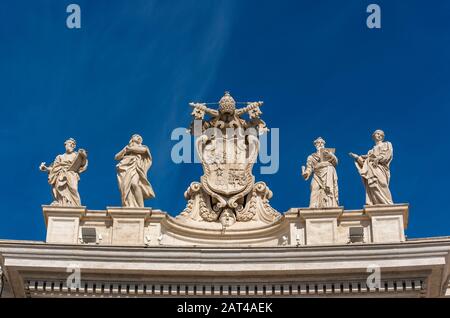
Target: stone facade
[[297, 227], [141, 252], [417, 268]]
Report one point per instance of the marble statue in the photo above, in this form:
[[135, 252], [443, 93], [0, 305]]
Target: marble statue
[[322, 166], [134, 161], [64, 174], [374, 170], [228, 145]]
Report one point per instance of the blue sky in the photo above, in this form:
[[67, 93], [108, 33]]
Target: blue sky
[[134, 66]]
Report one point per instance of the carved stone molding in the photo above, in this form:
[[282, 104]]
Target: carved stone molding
[[228, 146]]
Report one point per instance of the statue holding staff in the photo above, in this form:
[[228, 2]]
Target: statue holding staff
[[374, 170], [134, 161], [324, 186], [64, 174]]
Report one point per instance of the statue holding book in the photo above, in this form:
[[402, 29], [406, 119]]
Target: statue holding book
[[322, 166], [64, 174], [374, 170]]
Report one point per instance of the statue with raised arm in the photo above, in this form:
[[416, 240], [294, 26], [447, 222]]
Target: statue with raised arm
[[374, 170], [64, 174], [134, 161], [322, 166]]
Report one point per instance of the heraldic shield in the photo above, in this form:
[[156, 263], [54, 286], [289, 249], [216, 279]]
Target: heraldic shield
[[227, 147]]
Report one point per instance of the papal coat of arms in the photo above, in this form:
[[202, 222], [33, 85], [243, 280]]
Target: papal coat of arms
[[228, 146]]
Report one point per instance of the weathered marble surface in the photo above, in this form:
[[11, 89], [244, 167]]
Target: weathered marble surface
[[134, 161], [374, 169], [410, 269], [321, 165], [297, 227], [64, 174], [227, 145]]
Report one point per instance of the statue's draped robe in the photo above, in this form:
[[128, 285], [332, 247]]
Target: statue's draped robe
[[64, 182], [376, 179], [324, 186], [133, 168]]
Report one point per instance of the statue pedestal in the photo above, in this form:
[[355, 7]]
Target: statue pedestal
[[122, 226], [128, 225], [153, 229], [62, 223], [321, 225], [296, 227], [388, 222]]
